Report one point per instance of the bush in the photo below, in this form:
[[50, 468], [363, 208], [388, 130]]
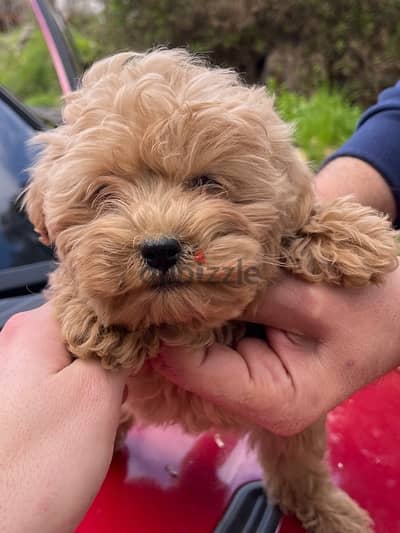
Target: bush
[[324, 118], [322, 122], [26, 68], [351, 44]]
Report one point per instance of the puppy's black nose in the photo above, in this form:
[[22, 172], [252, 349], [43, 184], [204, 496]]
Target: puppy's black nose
[[161, 254]]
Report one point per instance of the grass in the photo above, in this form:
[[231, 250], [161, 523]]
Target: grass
[[322, 121]]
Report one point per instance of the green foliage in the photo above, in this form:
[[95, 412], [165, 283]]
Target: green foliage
[[26, 68], [352, 44], [322, 121], [239, 34], [87, 49]]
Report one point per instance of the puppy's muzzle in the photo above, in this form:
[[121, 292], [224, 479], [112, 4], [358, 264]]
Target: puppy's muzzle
[[161, 254]]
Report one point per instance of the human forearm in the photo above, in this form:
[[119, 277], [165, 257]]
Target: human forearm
[[348, 175]]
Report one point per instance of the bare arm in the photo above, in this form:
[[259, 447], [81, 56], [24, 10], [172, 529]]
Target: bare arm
[[348, 175]]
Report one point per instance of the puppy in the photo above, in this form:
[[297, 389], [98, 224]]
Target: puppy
[[167, 184]]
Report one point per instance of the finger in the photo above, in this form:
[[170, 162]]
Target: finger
[[31, 343], [293, 305], [192, 369], [315, 379], [257, 387]]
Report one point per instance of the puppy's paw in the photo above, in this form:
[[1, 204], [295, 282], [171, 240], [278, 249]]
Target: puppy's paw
[[343, 243], [338, 513], [117, 347]]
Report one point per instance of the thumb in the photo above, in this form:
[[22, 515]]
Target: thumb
[[292, 304], [201, 370], [248, 381]]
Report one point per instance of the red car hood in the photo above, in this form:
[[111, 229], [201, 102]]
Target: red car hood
[[165, 481]]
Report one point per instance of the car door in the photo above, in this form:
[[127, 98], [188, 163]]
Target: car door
[[59, 44]]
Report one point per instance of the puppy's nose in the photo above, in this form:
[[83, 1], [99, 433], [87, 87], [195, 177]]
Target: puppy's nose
[[161, 254]]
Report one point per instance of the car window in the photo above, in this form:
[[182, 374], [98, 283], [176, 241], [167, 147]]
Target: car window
[[18, 242]]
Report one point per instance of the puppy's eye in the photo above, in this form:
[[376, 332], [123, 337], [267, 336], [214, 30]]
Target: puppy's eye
[[99, 190], [100, 195], [208, 183]]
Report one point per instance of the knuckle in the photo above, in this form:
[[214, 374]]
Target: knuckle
[[288, 423], [297, 414], [313, 302], [15, 324], [247, 401], [94, 382]]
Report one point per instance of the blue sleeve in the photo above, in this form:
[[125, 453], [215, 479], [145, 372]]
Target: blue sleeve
[[377, 140]]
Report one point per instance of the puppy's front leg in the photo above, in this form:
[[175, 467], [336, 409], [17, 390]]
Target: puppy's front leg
[[343, 243], [116, 347], [297, 478], [86, 337]]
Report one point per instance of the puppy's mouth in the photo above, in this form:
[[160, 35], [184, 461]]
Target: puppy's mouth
[[167, 282], [169, 285]]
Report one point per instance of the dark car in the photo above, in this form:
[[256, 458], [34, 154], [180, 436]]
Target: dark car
[[164, 480], [24, 262]]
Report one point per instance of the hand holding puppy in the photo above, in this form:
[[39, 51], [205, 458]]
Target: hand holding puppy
[[58, 420], [324, 343]]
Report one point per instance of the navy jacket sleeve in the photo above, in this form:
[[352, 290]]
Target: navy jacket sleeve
[[377, 140]]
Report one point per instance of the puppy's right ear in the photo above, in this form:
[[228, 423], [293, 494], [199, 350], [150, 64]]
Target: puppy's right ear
[[32, 201], [33, 198]]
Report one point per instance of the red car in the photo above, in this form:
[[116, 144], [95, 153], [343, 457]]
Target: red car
[[166, 481]]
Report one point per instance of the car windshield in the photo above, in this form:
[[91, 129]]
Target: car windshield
[[18, 242]]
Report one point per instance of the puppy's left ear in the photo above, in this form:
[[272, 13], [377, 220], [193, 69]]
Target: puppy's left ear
[[343, 243]]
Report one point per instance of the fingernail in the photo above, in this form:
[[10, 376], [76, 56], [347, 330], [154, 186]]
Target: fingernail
[[160, 364], [157, 361], [164, 352]]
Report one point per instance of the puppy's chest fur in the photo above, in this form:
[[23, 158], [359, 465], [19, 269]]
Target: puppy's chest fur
[[154, 400]]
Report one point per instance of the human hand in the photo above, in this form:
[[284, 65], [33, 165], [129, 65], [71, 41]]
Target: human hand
[[58, 421], [324, 343]]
